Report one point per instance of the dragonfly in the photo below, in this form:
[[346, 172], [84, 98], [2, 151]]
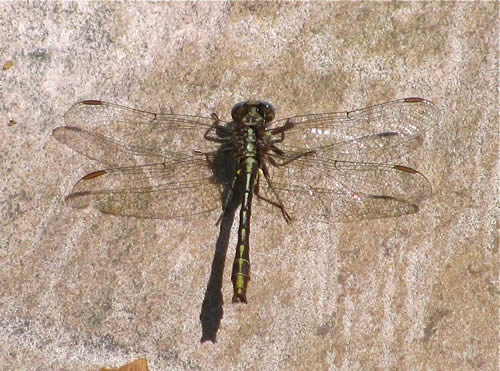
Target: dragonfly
[[326, 167]]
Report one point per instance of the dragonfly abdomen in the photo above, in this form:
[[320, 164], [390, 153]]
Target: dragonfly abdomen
[[241, 266]]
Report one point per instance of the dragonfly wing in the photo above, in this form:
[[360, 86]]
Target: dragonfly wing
[[119, 136], [328, 190], [173, 189], [379, 133]]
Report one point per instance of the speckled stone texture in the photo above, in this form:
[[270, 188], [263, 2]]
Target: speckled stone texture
[[81, 290]]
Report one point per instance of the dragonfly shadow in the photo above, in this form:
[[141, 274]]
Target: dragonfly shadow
[[212, 307], [223, 166]]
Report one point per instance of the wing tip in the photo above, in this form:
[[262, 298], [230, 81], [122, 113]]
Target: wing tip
[[78, 200], [61, 132]]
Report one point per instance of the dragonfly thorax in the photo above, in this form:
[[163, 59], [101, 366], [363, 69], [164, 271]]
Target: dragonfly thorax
[[245, 143]]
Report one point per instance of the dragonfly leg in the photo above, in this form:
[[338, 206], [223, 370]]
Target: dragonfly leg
[[280, 130], [223, 134], [285, 162], [277, 203]]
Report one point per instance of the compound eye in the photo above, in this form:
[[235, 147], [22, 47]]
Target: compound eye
[[268, 111], [239, 111]]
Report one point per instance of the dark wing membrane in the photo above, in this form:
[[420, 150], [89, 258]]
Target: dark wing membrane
[[172, 189], [119, 136], [327, 190], [378, 133]]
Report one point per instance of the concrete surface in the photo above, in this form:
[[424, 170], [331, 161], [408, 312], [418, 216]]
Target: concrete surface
[[82, 290]]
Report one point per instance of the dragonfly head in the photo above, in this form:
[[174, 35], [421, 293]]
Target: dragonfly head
[[253, 112]]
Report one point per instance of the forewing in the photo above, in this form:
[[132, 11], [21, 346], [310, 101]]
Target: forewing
[[378, 133], [119, 136], [173, 189]]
